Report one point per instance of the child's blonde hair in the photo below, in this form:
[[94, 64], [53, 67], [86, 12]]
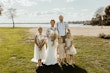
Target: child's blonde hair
[[59, 39], [40, 28], [68, 33]]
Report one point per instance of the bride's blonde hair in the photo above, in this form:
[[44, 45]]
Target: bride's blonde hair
[[52, 21]]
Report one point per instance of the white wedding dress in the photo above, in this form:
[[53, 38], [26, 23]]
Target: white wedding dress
[[51, 58]]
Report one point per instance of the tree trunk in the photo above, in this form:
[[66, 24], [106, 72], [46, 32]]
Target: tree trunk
[[0, 13], [13, 21]]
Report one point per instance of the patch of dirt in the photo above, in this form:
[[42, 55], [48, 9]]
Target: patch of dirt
[[33, 31], [13, 57], [29, 40], [31, 35], [1, 39], [109, 43]]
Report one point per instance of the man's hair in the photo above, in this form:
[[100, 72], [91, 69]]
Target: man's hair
[[60, 15]]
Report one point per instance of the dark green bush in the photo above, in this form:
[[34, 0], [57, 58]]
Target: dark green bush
[[107, 37], [104, 36]]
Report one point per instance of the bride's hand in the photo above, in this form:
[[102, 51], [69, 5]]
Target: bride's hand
[[54, 36]]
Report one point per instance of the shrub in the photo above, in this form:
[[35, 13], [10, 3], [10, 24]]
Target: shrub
[[104, 36], [107, 37]]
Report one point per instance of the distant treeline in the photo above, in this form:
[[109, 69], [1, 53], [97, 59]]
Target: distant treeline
[[76, 22], [25, 23], [70, 22]]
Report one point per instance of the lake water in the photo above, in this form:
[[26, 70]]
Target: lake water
[[38, 25]]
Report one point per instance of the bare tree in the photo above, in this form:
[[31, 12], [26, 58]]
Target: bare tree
[[1, 10], [100, 11], [11, 14]]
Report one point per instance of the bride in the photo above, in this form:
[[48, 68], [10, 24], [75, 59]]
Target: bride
[[51, 58]]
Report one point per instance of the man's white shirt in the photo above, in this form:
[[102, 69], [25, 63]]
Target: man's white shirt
[[62, 27]]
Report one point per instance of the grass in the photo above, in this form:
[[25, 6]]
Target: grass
[[15, 52], [93, 54]]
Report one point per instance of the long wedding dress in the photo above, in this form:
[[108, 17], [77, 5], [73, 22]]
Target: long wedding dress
[[51, 58]]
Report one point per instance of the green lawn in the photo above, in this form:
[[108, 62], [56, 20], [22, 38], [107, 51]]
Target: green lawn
[[93, 54], [16, 52]]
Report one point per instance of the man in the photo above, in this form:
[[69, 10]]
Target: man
[[62, 28]]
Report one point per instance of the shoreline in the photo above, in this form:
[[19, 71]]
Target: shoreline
[[81, 31]]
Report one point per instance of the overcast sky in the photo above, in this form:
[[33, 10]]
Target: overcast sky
[[44, 10]]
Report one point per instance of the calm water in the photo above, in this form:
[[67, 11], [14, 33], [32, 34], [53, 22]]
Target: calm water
[[38, 25]]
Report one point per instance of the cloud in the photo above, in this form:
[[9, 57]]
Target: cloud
[[44, 0], [14, 3], [26, 2], [7, 3], [70, 14], [70, 0], [28, 9], [55, 11], [30, 2]]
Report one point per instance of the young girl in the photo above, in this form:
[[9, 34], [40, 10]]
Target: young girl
[[70, 49], [61, 51], [39, 48]]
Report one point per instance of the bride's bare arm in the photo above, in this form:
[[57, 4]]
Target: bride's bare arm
[[36, 41]]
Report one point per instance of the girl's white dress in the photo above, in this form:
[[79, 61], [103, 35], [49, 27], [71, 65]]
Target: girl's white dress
[[61, 51], [39, 54], [51, 58], [72, 50]]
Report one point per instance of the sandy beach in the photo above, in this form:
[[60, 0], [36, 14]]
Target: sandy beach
[[84, 31]]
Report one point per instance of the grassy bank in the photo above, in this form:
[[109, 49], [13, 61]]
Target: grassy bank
[[16, 52]]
